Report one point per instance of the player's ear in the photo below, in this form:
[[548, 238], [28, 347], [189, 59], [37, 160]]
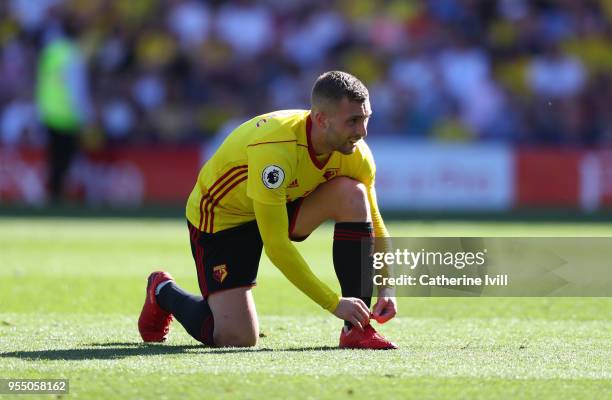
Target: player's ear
[[320, 118]]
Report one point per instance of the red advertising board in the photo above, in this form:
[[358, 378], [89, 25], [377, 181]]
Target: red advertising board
[[409, 177], [547, 178], [127, 176], [572, 179]]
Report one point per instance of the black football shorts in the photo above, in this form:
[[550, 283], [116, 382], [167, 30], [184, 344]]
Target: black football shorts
[[229, 259]]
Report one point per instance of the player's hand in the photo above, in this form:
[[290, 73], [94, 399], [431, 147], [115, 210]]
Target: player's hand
[[385, 307], [354, 311]]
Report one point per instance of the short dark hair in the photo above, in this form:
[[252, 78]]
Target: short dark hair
[[333, 86]]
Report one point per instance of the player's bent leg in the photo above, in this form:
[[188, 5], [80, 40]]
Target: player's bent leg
[[192, 311], [235, 317], [341, 199], [345, 201]]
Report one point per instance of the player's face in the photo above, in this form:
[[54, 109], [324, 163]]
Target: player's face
[[347, 125]]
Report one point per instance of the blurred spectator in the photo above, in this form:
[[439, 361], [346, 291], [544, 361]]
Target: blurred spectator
[[179, 70], [190, 21], [246, 27], [118, 118], [18, 124], [32, 15], [322, 29], [556, 75], [63, 101]]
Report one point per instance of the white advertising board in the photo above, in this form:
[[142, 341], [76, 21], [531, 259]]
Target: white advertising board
[[419, 176]]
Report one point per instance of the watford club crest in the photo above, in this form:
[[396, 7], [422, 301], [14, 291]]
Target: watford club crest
[[330, 173], [220, 272]]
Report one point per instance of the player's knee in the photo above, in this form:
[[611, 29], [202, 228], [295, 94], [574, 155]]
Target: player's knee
[[352, 200], [235, 339]]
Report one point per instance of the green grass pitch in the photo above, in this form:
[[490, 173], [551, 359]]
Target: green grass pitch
[[71, 291]]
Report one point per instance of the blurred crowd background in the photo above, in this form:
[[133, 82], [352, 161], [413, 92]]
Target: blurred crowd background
[[181, 71]]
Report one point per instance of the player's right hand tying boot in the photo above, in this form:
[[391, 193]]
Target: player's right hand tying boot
[[360, 334]]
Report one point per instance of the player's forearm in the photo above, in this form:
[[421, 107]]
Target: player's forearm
[[380, 230], [289, 261], [382, 242], [273, 226]]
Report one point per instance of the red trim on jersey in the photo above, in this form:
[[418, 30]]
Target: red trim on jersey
[[211, 202], [311, 152], [210, 190], [201, 211], [225, 175], [212, 214], [278, 141]]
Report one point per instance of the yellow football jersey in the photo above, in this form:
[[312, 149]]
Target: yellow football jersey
[[269, 159]]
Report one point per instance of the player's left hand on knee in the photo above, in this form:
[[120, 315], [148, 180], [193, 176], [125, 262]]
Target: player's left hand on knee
[[385, 308]]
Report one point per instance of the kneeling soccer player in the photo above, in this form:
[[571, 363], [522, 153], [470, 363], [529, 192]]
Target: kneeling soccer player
[[276, 178]]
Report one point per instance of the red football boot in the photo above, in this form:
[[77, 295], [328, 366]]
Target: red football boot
[[154, 323], [366, 339]]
